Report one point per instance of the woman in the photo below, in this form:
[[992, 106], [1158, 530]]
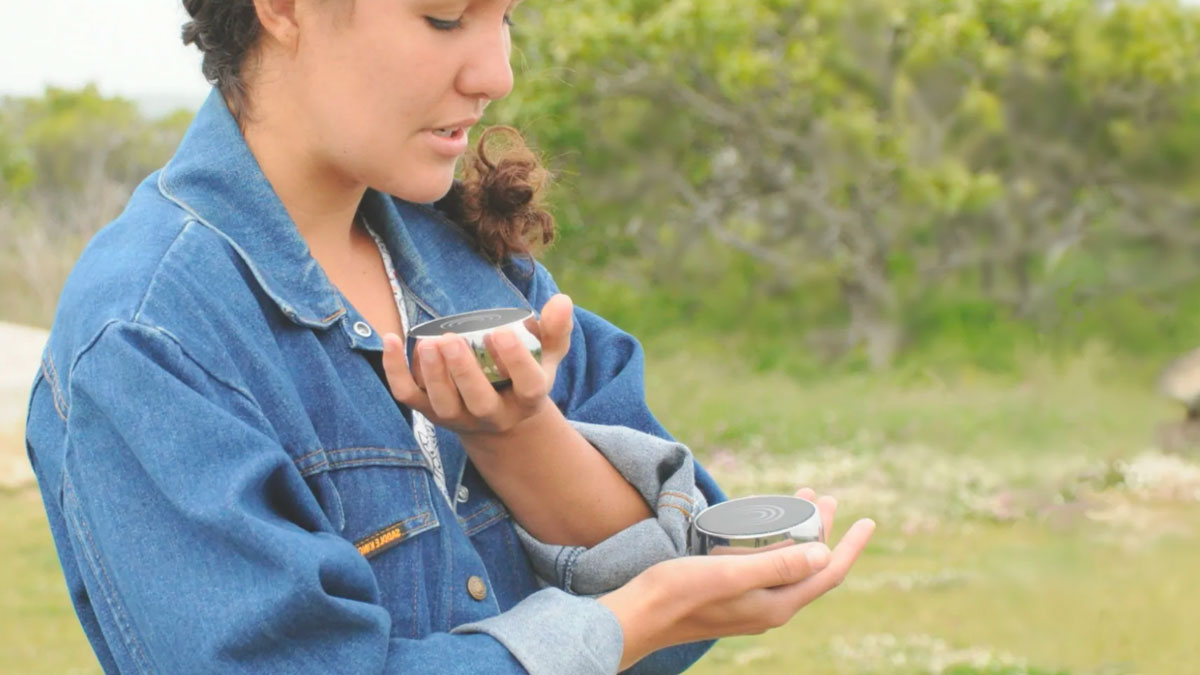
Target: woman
[[242, 474]]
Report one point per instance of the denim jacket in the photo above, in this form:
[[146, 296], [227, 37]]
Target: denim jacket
[[232, 488]]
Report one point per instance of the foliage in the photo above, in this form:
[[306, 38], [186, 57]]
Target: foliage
[[68, 161], [1019, 157], [71, 146], [861, 182]]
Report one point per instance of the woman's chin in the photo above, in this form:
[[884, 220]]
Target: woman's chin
[[429, 187]]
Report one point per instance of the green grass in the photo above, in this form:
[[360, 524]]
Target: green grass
[[1061, 594], [1090, 572], [39, 632], [1089, 404], [1057, 601]]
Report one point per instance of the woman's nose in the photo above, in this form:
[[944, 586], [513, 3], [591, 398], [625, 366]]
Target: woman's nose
[[487, 74]]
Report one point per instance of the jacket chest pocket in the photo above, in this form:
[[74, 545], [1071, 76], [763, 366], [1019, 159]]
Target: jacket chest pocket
[[377, 498], [381, 500]]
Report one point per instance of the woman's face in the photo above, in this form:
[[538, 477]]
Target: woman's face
[[388, 85]]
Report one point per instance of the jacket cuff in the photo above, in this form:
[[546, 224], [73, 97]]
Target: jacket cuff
[[551, 632], [663, 473]]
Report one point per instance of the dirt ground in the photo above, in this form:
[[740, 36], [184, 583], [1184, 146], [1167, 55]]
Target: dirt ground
[[20, 355]]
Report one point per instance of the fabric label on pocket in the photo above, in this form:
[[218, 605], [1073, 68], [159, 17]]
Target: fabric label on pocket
[[393, 534]]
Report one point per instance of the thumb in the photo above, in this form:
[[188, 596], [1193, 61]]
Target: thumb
[[554, 327], [402, 382], [784, 566]]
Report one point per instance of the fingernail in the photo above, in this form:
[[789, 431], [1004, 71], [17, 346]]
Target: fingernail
[[451, 349], [818, 556], [502, 340], [388, 345]]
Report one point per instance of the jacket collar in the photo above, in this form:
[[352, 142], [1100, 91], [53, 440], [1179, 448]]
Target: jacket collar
[[215, 178]]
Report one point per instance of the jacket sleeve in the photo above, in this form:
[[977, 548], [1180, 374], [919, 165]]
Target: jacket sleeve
[[663, 473], [600, 387], [202, 549]]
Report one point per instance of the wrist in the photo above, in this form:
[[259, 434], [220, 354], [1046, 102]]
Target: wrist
[[530, 428], [634, 606]]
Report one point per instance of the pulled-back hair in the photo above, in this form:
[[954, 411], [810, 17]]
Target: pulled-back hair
[[498, 202]]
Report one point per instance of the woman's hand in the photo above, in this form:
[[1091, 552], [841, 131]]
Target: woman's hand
[[706, 597], [451, 389]]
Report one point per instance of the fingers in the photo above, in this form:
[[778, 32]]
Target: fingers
[[529, 384], [826, 506], [554, 328], [455, 387], [474, 389], [780, 567], [848, 549], [812, 566], [401, 382], [439, 384], [745, 550], [841, 559], [489, 343]]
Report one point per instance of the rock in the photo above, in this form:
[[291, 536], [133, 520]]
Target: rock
[[1182, 438], [1180, 380], [20, 358]]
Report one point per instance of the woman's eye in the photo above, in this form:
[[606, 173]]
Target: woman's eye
[[443, 24], [447, 25]]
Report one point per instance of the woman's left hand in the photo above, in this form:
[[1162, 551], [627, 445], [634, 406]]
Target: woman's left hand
[[451, 389]]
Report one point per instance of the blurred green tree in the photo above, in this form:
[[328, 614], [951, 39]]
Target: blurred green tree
[[1033, 154]]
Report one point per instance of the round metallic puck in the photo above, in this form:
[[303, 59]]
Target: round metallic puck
[[757, 522], [470, 322], [474, 327]]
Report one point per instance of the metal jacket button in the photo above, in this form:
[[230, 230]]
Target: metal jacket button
[[362, 329], [477, 588], [463, 493]]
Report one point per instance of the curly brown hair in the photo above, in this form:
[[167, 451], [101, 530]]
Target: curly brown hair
[[499, 202]]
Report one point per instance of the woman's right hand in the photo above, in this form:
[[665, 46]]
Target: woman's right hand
[[706, 597]]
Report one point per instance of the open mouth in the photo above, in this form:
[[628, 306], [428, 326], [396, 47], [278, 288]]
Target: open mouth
[[454, 133]]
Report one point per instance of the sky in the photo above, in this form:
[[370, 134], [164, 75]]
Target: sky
[[129, 48]]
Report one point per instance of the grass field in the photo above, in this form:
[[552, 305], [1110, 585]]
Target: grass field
[[1026, 524]]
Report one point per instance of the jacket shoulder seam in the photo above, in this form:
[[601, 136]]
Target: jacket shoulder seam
[[173, 339], [49, 374], [137, 313]]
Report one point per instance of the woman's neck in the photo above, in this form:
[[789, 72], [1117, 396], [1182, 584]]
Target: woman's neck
[[320, 201]]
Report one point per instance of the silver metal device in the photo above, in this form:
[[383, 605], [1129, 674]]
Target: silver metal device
[[760, 522], [473, 327]]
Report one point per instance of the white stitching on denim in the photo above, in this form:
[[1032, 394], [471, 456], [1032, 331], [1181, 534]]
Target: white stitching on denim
[[178, 345], [286, 308], [107, 588], [55, 394], [487, 523]]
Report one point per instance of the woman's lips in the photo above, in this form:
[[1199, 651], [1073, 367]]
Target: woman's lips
[[450, 146]]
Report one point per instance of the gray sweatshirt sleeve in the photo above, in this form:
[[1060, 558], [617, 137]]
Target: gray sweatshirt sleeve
[[663, 473], [552, 632]]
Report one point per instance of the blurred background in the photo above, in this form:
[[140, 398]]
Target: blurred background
[[938, 258]]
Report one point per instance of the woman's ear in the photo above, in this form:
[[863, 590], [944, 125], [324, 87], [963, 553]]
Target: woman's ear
[[278, 19]]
